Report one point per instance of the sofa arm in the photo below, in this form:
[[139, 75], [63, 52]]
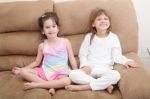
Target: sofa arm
[[135, 82]]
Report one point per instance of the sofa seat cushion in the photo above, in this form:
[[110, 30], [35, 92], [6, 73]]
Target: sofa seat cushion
[[11, 87], [64, 94]]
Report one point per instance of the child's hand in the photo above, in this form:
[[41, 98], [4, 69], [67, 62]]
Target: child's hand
[[130, 64], [87, 69]]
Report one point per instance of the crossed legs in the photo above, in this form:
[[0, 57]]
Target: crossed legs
[[105, 79], [36, 82]]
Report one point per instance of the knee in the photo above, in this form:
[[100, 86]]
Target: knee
[[74, 74], [67, 82], [116, 75]]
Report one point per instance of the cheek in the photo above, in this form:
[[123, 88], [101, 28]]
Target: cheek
[[57, 29]]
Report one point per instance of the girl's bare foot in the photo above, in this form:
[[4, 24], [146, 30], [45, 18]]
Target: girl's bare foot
[[16, 70], [110, 89], [52, 91], [77, 87], [29, 85]]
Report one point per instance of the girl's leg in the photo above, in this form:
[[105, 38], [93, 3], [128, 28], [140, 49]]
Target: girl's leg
[[110, 89], [30, 75], [52, 91], [78, 87], [16, 70], [105, 79], [80, 77], [49, 84]]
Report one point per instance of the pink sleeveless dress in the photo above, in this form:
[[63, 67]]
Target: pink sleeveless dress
[[55, 61]]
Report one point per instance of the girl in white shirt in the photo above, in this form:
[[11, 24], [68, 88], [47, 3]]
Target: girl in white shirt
[[98, 52]]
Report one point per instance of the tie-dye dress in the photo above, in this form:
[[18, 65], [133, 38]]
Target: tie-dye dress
[[55, 61]]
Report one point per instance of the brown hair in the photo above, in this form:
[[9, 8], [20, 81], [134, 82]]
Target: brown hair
[[95, 13], [47, 15]]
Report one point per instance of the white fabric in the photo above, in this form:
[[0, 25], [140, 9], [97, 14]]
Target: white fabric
[[102, 52], [100, 55], [99, 79]]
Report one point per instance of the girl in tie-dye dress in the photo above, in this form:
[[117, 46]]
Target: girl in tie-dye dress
[[50, 70]]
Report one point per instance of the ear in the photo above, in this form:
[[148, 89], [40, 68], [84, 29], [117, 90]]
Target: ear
[[93, 25], [42, 32]]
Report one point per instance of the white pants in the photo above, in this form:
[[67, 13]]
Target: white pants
[[99, 79]]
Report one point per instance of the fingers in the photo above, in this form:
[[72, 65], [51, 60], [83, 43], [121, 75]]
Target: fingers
[[133, 65], [127, 66]]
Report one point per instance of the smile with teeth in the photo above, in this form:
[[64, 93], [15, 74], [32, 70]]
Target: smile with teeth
[[103, 25]]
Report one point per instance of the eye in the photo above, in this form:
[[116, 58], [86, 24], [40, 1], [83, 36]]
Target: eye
[[106, 18], [98, 19], [54, 26], [47, 27]]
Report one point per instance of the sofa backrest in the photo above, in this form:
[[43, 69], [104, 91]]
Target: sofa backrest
[[19, 31], [20, 35]]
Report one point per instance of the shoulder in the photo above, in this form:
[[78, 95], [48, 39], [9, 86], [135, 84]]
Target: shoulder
[[113, 35], [41, 45], [67, 41], [88, 36]]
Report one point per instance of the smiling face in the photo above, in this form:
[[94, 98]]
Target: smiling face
[[50, 28], [101, 22]]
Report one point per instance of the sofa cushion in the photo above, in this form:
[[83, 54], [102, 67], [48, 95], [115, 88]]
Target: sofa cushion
[[23, 15], [12, 88], [130, 87], [63, 94], [74, 17], [76, 41], [20, 43], [8, 62]]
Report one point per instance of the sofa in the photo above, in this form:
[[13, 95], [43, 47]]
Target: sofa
[[20, 36]]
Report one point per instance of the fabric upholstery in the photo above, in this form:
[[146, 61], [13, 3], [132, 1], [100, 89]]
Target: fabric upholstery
[[23, 15], [20, 37]]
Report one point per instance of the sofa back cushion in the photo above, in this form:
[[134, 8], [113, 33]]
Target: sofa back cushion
[[19, 31], [22, 15], [74, 17]]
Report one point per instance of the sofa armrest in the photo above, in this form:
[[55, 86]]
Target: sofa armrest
[[135, 82]]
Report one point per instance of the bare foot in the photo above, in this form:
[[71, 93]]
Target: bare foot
[[52, 91], [77, 87], [110, 89], [29, 85], [16, 70]]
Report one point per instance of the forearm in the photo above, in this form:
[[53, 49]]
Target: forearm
[[121, 59], [33, 65], [74, 64]]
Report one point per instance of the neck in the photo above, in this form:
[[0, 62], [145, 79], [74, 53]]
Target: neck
[[102, 33], [53, 39]]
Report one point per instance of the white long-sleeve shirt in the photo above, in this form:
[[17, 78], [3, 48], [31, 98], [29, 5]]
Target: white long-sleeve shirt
[[102, 52]]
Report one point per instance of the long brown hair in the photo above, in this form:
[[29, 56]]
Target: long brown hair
[[47, 15], [94, 14]]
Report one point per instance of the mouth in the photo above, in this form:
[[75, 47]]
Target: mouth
[[52, 33], [103, 24]]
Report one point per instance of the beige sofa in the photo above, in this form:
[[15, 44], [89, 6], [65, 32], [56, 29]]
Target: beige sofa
[[20, 36]]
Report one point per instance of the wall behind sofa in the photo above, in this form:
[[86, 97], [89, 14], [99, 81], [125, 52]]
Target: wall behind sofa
[[143, 16]]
